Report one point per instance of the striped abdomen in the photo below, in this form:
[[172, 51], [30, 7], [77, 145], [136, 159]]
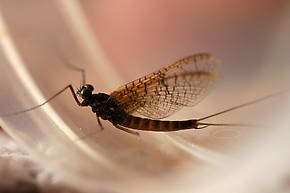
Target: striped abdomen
[[156, 125]]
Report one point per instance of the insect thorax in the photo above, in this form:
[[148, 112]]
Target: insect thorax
[[104, 107]]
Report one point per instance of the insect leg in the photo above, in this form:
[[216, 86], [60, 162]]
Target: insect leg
[[100, 123], [49, 99], [127, 130]]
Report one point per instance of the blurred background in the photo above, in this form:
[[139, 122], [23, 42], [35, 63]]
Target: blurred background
[[117, 42]]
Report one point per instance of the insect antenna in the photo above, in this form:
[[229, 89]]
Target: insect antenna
[[80, 70], [235, 108], [72, 67]]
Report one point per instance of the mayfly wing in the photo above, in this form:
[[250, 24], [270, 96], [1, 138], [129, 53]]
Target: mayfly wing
[[160, 94]]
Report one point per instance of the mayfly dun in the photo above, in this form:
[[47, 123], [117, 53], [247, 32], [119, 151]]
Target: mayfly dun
[[156, 96]]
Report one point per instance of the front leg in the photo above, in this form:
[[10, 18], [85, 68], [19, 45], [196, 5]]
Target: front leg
[[48, 100]]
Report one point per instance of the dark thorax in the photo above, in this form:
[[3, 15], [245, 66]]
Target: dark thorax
[[101, 104]]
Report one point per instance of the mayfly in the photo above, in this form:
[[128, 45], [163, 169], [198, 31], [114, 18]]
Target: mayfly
[[155, 96]]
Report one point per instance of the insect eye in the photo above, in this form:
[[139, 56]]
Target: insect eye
[[88, 87], [86, 91]]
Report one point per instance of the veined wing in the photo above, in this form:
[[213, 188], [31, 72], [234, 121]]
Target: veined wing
[[160, 94]]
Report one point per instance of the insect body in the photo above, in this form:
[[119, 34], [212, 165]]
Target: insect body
[[109, 109], [155, 96]]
